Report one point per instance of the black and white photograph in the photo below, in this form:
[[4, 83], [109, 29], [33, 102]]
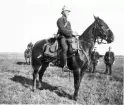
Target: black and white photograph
[[61, 52]]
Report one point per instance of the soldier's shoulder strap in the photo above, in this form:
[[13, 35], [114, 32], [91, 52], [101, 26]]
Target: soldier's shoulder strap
[[66, 23]]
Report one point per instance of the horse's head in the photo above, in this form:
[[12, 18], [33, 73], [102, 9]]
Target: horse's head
[[102, 31], [30, 46]]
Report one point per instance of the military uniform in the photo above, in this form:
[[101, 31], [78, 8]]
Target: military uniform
[[94, 59], [109, 59], [65, 32], [64, 27]]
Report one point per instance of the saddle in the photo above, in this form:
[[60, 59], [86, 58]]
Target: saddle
[[53, 46]]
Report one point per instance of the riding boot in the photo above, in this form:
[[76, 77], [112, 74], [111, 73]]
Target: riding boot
[[65, 67]]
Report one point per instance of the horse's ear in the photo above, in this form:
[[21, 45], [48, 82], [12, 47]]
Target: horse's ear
[[94, 17]]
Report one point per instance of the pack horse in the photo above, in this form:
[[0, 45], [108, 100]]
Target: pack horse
[[28, 52]]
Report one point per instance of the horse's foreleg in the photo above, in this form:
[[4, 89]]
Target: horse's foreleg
[[77, 80], [90, 67]]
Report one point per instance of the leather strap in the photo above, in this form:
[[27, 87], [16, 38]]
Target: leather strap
[[66, 23]]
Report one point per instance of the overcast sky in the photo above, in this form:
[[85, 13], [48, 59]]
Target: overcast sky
[[22, 21]]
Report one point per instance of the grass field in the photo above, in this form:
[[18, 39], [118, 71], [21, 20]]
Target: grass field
[[95, 89]]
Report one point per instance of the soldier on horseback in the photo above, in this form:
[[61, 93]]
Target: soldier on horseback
[[65, 32], [109, 59]]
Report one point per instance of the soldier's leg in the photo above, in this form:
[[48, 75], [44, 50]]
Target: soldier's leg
[[106, 71], [64, 49], [94, 67], [110, 69]]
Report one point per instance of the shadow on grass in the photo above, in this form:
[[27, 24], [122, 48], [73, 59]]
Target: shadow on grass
[[26, 82], [22, 63], [117, 78]]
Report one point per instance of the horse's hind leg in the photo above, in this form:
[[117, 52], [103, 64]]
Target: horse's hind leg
[[41, 73], [35, 73]]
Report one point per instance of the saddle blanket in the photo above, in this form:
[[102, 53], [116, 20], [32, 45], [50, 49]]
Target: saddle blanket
[[52, 49]]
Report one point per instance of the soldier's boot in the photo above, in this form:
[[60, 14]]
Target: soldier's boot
[[106, 71], [93, 68], [65, 68]]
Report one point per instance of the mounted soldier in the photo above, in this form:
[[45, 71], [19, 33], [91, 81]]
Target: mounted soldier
[[94, 59], [65, 32], [109, 59], [65, 39]]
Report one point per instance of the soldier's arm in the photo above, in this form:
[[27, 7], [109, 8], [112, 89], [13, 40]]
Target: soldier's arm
[[63, 29], [105, 56], [98, 56], [113, 56]]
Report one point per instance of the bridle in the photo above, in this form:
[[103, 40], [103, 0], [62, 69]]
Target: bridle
[[102, 32]]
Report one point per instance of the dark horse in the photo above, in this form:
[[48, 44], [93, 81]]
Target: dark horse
[[28, 52], [80, 61]]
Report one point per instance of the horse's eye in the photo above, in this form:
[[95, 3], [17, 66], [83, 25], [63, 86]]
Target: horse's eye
[[100, 25]]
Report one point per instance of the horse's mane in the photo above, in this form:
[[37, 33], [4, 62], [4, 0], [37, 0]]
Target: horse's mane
[[87, 34], [87, 39]]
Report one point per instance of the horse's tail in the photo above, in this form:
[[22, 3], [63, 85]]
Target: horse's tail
[[32, 58], [37, 53], [32, 61]]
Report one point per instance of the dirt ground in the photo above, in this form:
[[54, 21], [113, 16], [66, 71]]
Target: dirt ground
[[96, 88]]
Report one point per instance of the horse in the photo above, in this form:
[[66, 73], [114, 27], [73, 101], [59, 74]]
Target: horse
[[27, 53], [80, 60]]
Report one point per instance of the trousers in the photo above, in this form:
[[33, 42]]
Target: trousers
[[65, 47]]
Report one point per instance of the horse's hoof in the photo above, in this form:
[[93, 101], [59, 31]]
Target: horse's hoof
[[33, 89], [74, 98], [39, 86]]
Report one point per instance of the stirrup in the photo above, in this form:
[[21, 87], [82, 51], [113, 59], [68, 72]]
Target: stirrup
[[65, 68]]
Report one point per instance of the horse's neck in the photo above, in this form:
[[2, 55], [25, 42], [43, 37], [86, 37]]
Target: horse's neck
[[87, 34], [87, 39]]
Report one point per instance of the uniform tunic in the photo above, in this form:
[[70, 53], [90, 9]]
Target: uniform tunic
[[94, 56], [64, 27], [109, 57]]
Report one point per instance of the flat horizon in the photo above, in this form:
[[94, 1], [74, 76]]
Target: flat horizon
[[23, 53]]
